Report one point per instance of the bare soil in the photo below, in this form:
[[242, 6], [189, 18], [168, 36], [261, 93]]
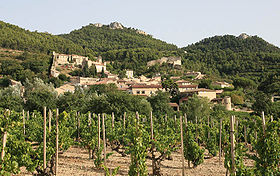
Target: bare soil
[[75, 162]]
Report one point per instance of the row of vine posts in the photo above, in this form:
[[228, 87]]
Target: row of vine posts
[[233, 123]]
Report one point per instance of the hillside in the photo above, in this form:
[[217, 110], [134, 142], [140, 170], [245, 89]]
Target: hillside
[[127, 47], [104, 38], [251, 57], [14, 37], [20, 65]]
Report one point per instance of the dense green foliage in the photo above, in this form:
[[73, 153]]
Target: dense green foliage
[[14, 37], [229, 56], [104, 39], [129, 49]]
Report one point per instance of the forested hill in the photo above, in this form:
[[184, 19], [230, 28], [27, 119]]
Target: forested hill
[[104, 38], [126, 47], [242, 43], [89, 40], [250, 56], [14, 37]]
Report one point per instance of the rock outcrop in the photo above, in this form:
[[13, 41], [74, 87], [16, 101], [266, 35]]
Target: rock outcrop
[[243, 36], [116, 25], [98, 25], [141, 32]]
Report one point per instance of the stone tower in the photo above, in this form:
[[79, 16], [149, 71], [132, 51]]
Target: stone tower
[[227, 102]]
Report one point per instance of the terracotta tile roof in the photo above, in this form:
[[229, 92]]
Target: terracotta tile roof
[[188, 86], [182, 81], [199, 90], [173, 104], [146, 86]]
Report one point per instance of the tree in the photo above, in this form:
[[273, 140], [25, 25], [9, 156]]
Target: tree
[[159, 103], [63, 77], [103, 75], [85, 70], [118, 102], [271, 84], [56, 82], [10, 98], [205, 83], [77, 100], [262, 103], [93, 71], [39, 94], [5, 82], [170, 86], [237, 99], [196, 107], [244, 83]]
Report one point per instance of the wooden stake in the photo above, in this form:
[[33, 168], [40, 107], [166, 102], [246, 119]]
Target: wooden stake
[[27, 116], [98, 131], [151, 119], [271, 118], [45, 139], [182, 147], [263, 120], [4, 140], [152, 149], [4, 144], [245, 135], [165, 117], [208, 127], [92, 153], [89, 124], [89, 119], [232, 139], [236, 131], [23, 121], [256, 135], [220, 141], [124, 116], [196, 133], [78, 126], [50, 120], [175, 119], [137, 117], [186, 120], [104, 138], [113, 120], [57, 133]]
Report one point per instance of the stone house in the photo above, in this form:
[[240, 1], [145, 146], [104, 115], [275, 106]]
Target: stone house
[[222, 84], [183, 82], [174, 61], [129, 73], [61, 59], [144, 90], [185, 88], [99, 65], [87, 81], [209, 94]]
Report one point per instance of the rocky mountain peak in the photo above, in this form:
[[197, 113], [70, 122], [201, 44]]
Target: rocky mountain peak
[[243, 36], [116, 25]]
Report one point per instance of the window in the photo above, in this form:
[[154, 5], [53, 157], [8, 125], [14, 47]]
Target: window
[[151, 92], [143, 92], [138, 92]]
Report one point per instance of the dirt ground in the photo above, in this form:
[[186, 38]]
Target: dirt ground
[[75, 162]]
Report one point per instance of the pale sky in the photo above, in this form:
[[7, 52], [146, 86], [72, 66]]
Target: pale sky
[[180, 22]]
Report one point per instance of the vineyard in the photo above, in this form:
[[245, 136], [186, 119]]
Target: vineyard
[[35, 141]]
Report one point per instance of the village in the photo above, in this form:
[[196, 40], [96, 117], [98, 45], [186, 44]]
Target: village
[[141, 85]]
